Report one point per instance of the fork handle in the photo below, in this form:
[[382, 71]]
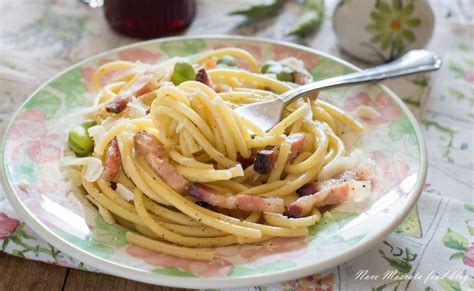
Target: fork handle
[[414, 61]]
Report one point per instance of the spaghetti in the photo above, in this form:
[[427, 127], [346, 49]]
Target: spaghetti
[[184, 173]]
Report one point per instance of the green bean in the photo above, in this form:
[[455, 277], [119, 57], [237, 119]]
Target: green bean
[[182, 72], [310, 20], [228, 61], [282, 73], [259, 8], [285, 76], [79, 140]]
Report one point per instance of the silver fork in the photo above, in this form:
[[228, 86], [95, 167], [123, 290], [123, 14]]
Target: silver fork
[[268, 113]]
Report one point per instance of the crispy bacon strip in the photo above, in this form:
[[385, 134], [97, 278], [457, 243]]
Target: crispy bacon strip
[[113, 161], [332, 195], [202, 77], [308, 189], [297, 141], [246, 202], [245, 162], [142, 85], [154, 153], [330, 192], [265, 159]]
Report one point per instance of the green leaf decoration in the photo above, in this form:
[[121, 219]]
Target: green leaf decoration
[[329, 225], [241, 271], [396, 4], [45, 101], [464, 47], [327, 68], [377, 17], [408, 35], [455, 241], [109, 234], [18, 253], [72, 85], [385, 9], [469, 207], [173, 272], [183, 48], [88, 244], [5, 243], [401, 127], [408, 10], [457, 256], [449, 285], [411, 226], [413, 22], [456, 68], [399, 264], [25, 171]]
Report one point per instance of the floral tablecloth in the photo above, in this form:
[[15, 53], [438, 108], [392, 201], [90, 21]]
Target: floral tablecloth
[[433, 249]]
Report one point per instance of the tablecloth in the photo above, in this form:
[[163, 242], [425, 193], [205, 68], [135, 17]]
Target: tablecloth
[[433, 249]]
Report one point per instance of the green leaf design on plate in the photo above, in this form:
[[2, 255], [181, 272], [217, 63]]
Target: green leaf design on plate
[[449, 285], [109, 234], [72, 85], [411, 226], [401, 127], [183, 47], [25, 171], [240, 271], [69, 88], [469, 207], [45, 101], [326, 228], [173, 272], [327, 68], [455, 241], [457, 256], [87, 244]]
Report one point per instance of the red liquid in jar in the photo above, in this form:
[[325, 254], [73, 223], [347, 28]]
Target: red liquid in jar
[[149, 18]]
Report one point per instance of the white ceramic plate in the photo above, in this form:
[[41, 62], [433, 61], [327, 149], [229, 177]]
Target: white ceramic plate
[[36, 137]]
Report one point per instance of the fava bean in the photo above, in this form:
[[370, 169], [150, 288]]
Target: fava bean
[[282, 73], [79, 140], [182, 72]]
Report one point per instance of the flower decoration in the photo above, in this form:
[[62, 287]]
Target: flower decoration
[[8, 225], [382, 103], [391, 26]]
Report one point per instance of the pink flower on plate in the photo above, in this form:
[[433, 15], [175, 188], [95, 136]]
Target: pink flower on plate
[[469, 76], [88, 72], [468, 259], [281, 52], [383, 104], [281, 246], [215, 268], [389, 173], [30, 129], [139, 55], [8, 225]]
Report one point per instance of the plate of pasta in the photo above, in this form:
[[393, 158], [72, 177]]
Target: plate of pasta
[[135, 163]]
